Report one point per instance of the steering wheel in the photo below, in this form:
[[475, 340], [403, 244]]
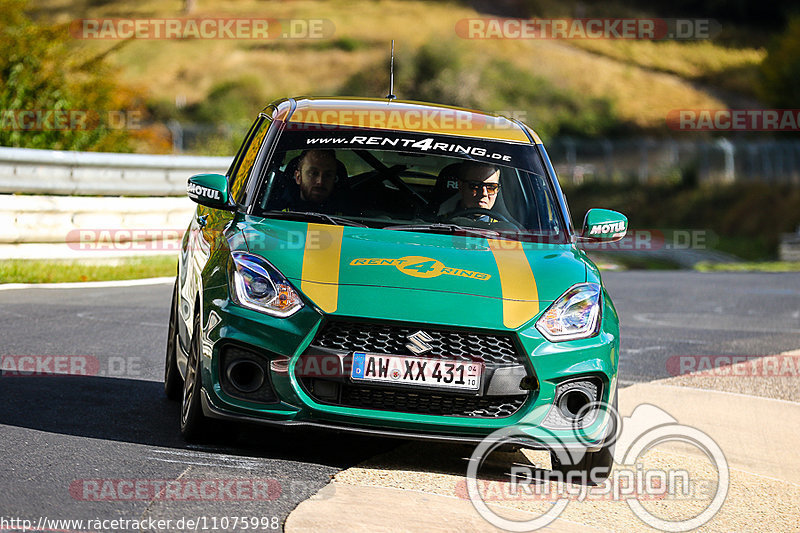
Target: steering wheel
[[482, 211]]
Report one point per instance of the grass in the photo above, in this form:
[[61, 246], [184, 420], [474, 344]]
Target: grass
[[63, 271], [730, 218], [734, 69], [766, 266], [622, 261]]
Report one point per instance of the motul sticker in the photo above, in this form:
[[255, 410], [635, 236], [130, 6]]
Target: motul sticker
[[614, 227], [199, 190]]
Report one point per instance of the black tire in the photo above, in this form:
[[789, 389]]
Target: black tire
[[193, 422], [173, 383], [594, 467]]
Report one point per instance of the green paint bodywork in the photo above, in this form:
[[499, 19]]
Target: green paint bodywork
[[210, 190], [383, 279], [382, 292]]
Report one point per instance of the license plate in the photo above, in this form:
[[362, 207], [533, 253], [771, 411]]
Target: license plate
[[380, 368]]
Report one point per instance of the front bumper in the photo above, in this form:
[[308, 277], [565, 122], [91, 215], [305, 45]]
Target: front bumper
[[286, 340]]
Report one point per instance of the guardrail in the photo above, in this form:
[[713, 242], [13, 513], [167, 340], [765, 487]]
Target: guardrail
[[46, 195], [789, 248], [52, 172], [718, 160], [54, 219]]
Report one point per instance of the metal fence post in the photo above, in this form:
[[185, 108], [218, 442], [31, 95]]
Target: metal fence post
[[728, 175]]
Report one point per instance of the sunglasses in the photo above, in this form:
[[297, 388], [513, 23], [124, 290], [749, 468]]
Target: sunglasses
[[476, 186]]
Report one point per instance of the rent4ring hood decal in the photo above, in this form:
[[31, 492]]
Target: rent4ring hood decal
[[347, 270]]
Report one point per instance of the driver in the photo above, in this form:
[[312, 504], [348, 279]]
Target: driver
[[313, 184], [316, 175], [478, 184]]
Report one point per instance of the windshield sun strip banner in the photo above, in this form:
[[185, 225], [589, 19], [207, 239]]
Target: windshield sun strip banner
[[504, 153]]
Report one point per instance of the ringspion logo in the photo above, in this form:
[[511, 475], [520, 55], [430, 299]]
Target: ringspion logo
[[622, 485]]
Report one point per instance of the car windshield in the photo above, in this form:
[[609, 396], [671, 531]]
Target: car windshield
[[411, 182]]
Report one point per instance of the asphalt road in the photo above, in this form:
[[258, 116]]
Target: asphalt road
[[669, 314], [81, 447]]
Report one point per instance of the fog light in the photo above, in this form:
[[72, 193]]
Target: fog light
[[245, 376], [573, 402]]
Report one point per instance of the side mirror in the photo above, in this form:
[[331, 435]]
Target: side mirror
[[210, 190], [603, 225]]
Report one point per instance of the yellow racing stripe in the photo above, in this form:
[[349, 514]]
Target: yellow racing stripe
[[323, 250], [520, 295]]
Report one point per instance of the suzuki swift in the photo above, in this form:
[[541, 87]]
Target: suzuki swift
[[398, 269]]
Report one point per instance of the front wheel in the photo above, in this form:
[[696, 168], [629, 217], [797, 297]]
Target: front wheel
[[593, 468], [192, 420], [173, 384]]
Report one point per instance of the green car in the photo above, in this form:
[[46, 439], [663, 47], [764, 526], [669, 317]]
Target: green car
[[398, 269]]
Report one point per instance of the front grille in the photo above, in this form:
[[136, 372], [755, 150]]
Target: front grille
[[431, 403], [346, 337], [458, 345]]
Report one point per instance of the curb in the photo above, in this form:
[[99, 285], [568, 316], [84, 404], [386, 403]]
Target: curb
[[763, 455], [88, 284]]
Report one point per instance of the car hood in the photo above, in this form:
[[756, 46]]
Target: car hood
[[420, 277]]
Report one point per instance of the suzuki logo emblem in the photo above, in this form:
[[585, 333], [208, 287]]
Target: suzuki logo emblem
[[418, 342]]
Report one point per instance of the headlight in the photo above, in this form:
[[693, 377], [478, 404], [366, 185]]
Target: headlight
[[575, 315], [258, 285]]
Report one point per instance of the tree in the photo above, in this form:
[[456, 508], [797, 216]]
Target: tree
[[780, 70], [52, 98]]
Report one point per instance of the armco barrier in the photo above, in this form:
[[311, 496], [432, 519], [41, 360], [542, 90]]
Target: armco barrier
[[52, 172], [45, 195], [50, 219]]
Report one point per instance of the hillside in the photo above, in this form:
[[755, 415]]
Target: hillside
[[630, 86]]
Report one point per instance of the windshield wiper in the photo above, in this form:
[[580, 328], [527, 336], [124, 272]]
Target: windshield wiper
[[446, 228], [305, 215]]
